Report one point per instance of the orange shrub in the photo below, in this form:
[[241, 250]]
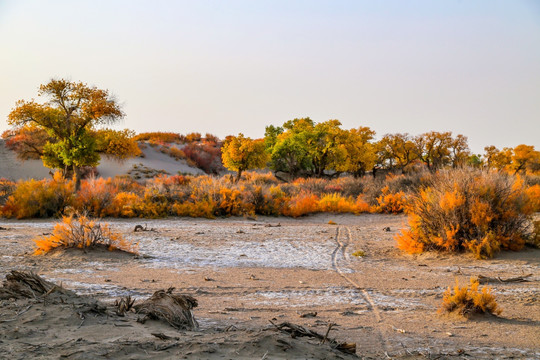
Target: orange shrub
[[468, 210], [159, 137], [176, 153], [208, 196], [231, 203], [339, 204], [204, 209], [264, 200], [83, 233], [469, 300], [39, 199], [302, 204], [6, 189], [533, 192], [96, 196], [193, 137], [125, 204], [390, 203]]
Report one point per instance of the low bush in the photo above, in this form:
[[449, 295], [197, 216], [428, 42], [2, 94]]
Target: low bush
[[468, 210], [453, 211], [302, 204], [7, 188], [339, 204], [206, 157], [469, 300], [390, 203], [39, 199], [83, 233], [159, 137]]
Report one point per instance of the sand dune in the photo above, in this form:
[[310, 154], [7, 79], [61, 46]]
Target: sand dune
[[14, 169]]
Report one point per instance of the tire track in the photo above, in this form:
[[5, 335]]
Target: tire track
[[372, 306], [341, 247]]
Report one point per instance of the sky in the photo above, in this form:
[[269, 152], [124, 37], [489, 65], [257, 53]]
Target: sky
[[225, 67]]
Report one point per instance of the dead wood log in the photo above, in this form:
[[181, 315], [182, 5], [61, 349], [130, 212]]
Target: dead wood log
[[300, 331], [162, 336], [486, 279], [21, 284], [270, 225], [311, 314], [124, 305], [145, 228], [175, 309]]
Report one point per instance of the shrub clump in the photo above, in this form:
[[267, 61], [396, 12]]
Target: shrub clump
[[469, 300], [83, 233], [468, 210]]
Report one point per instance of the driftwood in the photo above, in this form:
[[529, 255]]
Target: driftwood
[[28, 285], [145, 228], [123, 305], [486, 279], [175, 309], [300, 331], [21, 284]]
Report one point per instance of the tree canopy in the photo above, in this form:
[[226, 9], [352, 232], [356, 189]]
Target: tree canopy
[[63, 130], [241, 153]]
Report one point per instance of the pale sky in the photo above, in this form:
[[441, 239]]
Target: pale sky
[[224, 67]]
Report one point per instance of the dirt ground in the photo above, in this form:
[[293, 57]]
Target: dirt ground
[[246, 272]]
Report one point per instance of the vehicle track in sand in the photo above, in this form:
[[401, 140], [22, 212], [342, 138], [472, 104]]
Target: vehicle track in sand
[[343, 240]]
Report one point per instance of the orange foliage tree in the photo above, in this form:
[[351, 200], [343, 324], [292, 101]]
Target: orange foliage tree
[[525, 159], [73, 109], [241, 153]]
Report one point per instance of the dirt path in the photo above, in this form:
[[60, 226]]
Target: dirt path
[[343, 240]]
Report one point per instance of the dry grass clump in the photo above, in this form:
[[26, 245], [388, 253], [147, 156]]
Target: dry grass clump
[[469, 300], [83, 233], [468, 210]]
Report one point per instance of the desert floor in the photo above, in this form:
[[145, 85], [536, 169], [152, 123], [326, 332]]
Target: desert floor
[[246, 272]]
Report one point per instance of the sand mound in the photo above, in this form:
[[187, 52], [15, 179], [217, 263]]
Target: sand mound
[[40, 319]]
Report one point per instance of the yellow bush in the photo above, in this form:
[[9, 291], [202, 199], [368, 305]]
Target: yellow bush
[[302, 204], [82, 233], [199, 209], [339, 204], [125, 204], [39, 199], [468, 210], [390, 203], [469, 300]]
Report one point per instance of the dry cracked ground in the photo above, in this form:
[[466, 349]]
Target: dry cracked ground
[[247, 273]]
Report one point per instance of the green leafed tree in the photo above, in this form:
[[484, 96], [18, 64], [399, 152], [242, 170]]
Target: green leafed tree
[[69, 117]]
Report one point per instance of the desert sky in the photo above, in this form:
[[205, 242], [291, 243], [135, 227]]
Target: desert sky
[[224, 67]]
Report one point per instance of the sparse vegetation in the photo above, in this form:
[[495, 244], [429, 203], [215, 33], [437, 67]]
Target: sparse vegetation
[[468, 210], [469, 300], [359, 253], [83, 233]]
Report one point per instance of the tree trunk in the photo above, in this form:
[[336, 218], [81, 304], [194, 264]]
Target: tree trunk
[[238, 176], [77, 177]]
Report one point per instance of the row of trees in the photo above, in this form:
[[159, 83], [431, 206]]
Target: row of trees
[[302, 147], [67, 132]]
